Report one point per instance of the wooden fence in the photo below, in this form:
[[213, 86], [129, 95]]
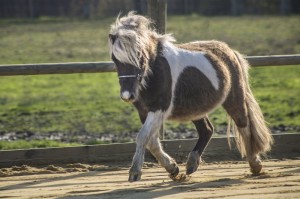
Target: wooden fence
[[100, 67], [286, 146]]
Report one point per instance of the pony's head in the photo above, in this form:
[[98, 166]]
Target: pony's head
[[133, 45], [130, 48]]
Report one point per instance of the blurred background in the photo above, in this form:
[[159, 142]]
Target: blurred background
[[75, 109], [104, 8]]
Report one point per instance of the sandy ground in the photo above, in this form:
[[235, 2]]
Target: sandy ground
[[280, 179]]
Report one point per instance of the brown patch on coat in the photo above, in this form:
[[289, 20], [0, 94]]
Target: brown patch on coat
[[194, 95]]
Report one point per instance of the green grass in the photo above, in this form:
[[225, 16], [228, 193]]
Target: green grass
[[62, 40], [252, 35], [23, 144], [90, 103], [78, 103], [278, 92]]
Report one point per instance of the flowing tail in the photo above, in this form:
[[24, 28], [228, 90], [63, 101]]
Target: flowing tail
[[255, 138]]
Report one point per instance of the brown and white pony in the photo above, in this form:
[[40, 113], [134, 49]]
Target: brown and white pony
[[164, 80]]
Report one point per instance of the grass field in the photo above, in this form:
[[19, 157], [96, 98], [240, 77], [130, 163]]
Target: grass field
[[90, 104]]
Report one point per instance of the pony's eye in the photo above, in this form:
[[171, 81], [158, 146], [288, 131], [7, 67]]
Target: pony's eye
[[112, 38], [139, 77]]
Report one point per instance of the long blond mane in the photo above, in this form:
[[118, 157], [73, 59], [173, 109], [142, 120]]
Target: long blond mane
[[135, 40]]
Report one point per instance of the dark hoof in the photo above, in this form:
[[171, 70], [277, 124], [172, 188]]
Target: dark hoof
[[134, 177], [193, 162], [190, 170], [255, 166], [175, 172], [255, 169]]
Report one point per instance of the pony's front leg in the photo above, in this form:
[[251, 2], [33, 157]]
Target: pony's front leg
[[151, 126], [162, 157]]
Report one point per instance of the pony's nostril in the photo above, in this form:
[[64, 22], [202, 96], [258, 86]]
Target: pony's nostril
[[132, 97]]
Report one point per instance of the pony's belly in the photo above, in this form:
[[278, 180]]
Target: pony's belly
[[187, 117], [193, 110]]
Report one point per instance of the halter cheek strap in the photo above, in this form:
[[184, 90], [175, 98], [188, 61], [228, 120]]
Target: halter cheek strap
[[138, 76], [127, 76]]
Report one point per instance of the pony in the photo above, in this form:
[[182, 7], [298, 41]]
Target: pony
[[184, 82]]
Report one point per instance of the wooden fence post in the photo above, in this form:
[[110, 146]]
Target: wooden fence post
[[157, 10]]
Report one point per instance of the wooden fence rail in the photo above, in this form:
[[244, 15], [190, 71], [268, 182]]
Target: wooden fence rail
[[286, 146], [100, 67]]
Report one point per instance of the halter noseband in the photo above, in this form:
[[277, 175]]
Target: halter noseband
[[138, 76]]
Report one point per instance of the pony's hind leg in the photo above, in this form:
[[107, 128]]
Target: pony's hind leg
[[253, 157], [252, 136], [238, 112], [205, 131], [162, 157]]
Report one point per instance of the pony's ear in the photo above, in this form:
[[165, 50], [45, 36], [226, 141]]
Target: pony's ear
[[112, 38], [132, 20], [143, 22]]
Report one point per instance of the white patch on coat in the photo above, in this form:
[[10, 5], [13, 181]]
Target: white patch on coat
[[179, 59]]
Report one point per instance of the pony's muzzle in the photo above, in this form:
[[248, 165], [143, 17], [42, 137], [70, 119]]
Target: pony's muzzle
[[127, 96]]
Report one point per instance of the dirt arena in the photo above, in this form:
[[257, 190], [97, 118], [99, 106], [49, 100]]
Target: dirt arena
[[280, 179]]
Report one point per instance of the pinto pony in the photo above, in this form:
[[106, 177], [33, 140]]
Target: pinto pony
[[184, 82]]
